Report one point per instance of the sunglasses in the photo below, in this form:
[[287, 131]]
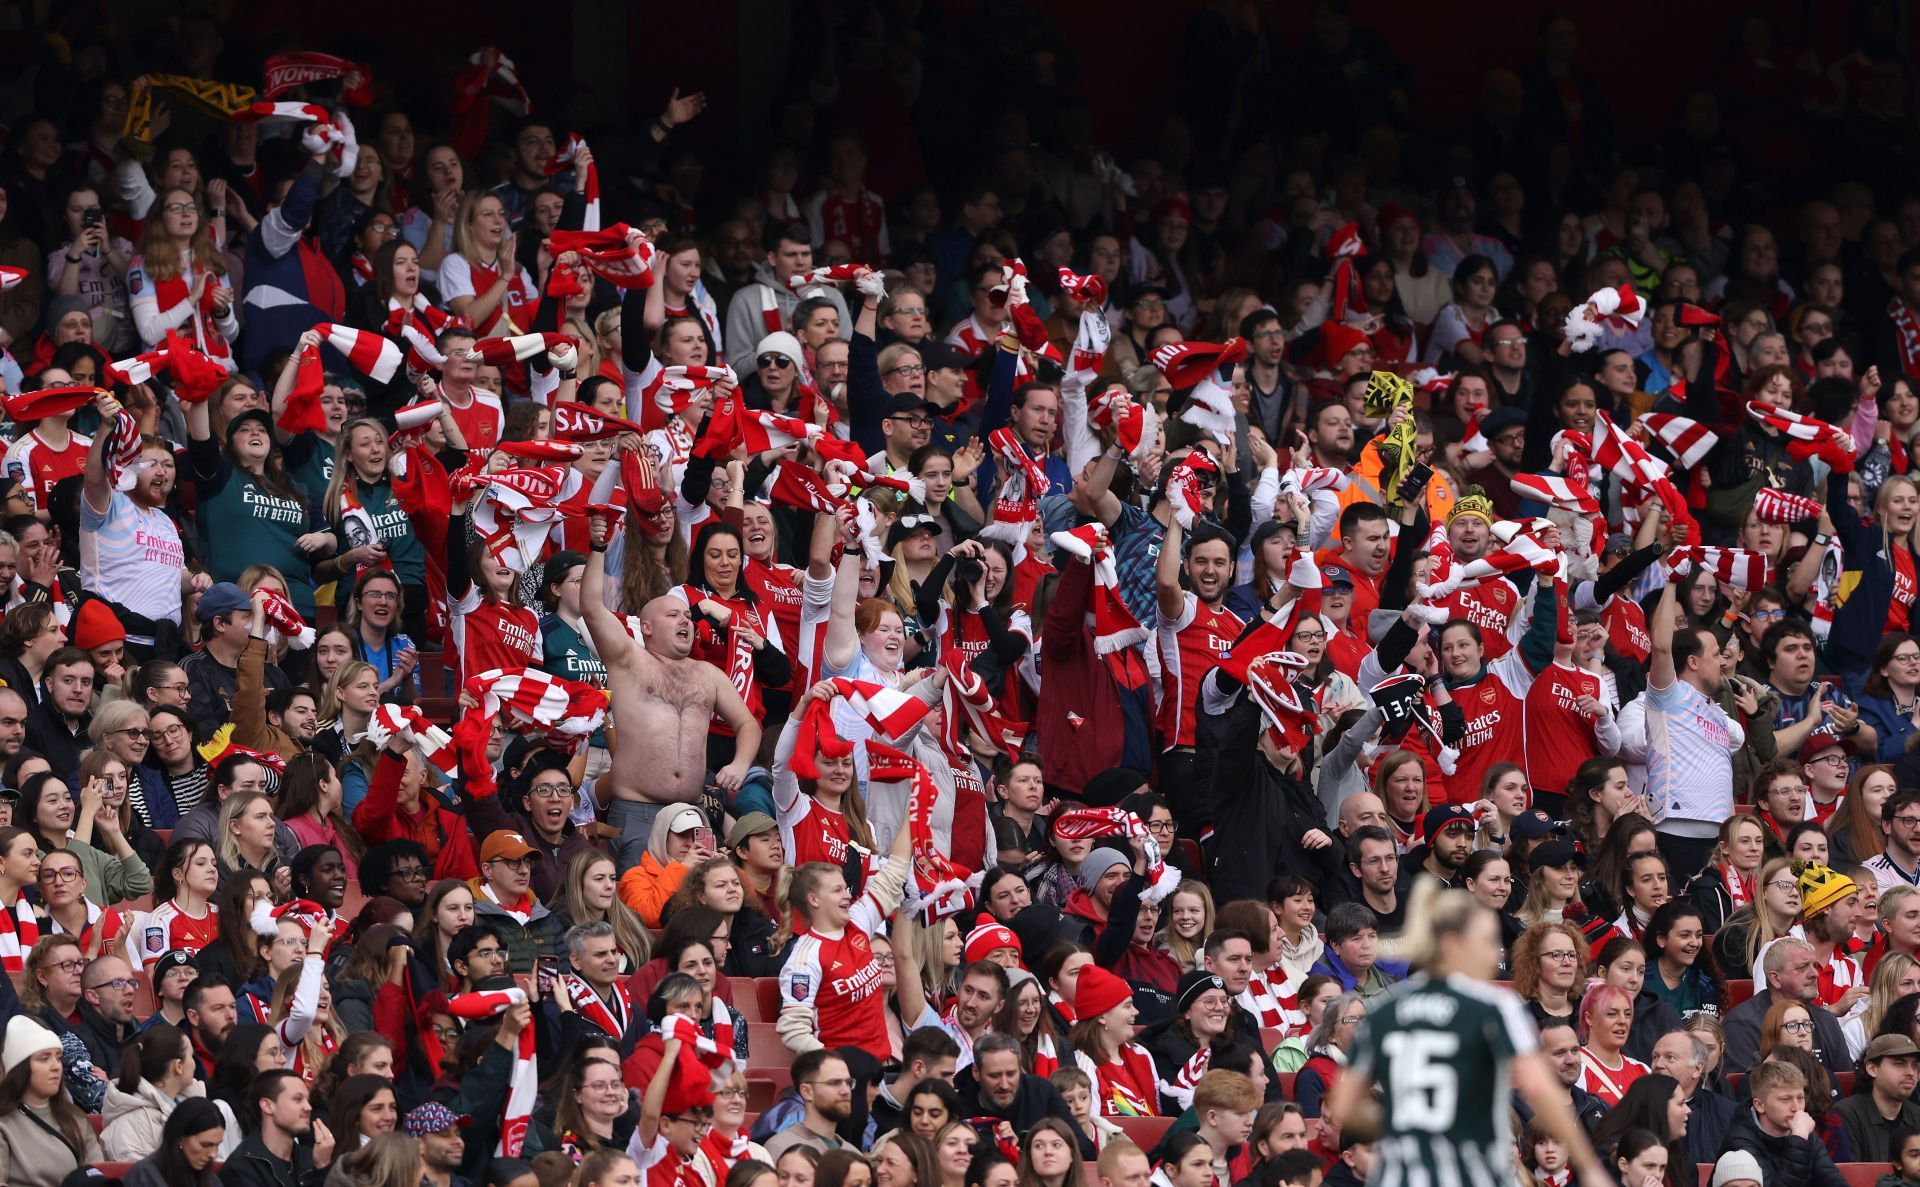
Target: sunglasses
[[774, 360]]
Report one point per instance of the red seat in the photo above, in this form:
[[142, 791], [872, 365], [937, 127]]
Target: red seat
[[114, 1170], [1706, 1174], [1146, 1132], [764, 1085], [98, 1122], [1862, 1174], [1286, 1084], [1738, 990], [1843, 1084], [1270, 1038], [764, 1048], [746, 999], [165, 835], [1743, 809], [766, 991]]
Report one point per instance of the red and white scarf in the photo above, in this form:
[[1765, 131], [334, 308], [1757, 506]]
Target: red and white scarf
[[1114, 626], [967, 707], [710, 1051], [1739, 886], [610, 1016], [284, 621], [1741, 568], [524, 1086], [567, 712], [1088, 823], [1807, 437], [1689, 440], [521, 910], [409, 724], [1906, 333], [939, 887], [19, 932], [563, 160], [1023, 480], [1186, 1076], [419, 323], [618, 254], [1779, 506]]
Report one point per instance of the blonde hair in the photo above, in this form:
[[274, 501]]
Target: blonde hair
[[1534, 908], [225, 843], [1912, 540], [463, 243], [344, 675], [629, 933], [1186, 951], [1883, 988], [282, 1005], [343, 466], [1763, 932]]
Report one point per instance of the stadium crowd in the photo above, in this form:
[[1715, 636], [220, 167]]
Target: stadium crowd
[[980, 689]]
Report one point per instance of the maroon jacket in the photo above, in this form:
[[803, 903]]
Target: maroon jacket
[[1081, 723]]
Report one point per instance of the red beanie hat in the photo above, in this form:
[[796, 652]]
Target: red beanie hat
[[96, 626], [988, 936], [1097, 992], [1336, 340]]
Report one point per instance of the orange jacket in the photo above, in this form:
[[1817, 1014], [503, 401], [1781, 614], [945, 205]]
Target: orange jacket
[[647, 887]]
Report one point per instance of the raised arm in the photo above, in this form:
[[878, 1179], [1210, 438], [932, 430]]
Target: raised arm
[[1172, 599], [842, 639], [610, 638], [93, 483], [1660, 672]]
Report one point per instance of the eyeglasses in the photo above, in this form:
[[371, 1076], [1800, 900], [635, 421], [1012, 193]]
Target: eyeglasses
[[551, 791], [1783, 884], [918, 422], [448, 1035], [121, 983], [1162, 826], [383, 228], [1564, 954], [380, 595], [1508, 342], [1309, 636], [179, 207], [1767, 615], [1908, 657], [1803, 1026], [910, 310], [696, 1120], [512, 863], [770, 359], [167, 735], [907, 369], [730, 1093], [133, 733], [1907, 821], [1353, 1020], [68, 966], [1829, 758], [409, 873]]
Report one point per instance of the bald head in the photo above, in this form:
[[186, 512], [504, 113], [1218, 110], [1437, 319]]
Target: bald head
[[1361, 809], [13, 722], [666, 627]]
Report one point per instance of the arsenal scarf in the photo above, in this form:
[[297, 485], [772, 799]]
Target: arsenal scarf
[[609, 254], [1017, 507], [815, 733], [1779, 506], [1739, 567], [1087, 823], [795, 485], [890, 712], [286, 71], [1906, 332], [939, 882], [1114, 626], [710, 1051], [19, 932], [611, 1017], [525, 1083], [564, 160], [1807, 437], [419, 323]]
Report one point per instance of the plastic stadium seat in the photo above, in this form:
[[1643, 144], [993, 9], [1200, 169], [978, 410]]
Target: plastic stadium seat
[[1146, 1132], [1738, 990], [764, 1048], [1862, 1174], [767, 991]]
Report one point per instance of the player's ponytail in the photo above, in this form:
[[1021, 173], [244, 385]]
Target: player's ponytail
[[1433, 914]]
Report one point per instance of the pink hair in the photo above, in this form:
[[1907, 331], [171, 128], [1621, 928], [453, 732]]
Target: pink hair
[[1597, 996]]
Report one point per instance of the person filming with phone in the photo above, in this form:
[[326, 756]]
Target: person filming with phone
[[680, 839]]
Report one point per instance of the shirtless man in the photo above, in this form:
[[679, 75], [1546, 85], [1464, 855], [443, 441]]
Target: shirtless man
[[663, 701]]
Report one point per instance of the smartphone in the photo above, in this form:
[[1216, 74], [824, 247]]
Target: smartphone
[[703, 838], [1420, 473], [93, 217], [545, 968]]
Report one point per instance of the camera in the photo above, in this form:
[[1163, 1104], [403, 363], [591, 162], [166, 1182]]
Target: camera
[[969, 570]]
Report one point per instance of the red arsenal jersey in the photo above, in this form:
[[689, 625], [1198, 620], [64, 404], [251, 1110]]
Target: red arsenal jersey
[[1190, 646], [1558, 736], [1490, 606]]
